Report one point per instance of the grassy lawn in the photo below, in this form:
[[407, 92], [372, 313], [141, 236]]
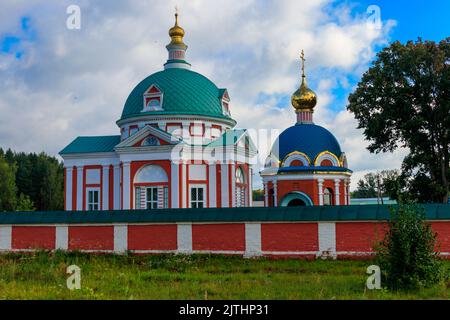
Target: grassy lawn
[[42, 276]]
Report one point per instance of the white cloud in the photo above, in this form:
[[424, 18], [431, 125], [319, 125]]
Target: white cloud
[[72, 83]]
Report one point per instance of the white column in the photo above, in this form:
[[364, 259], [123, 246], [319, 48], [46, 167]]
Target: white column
[[184, 238], [250, 187], [252, 240], [212, 186], [174, 185], [69, 185], [233, 184], [327, 239], [337, 193], [116, 192], [266, 194], [62, 237], [126, 185], [183, 185], [105, 189], [224, 186], [275, 193], [80, 191], [320, 186], [5, 238], [347, 195], [120, 238]]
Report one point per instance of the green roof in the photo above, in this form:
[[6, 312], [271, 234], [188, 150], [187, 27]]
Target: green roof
[[278, 214], [229, 138], [184, 92], [91, 145]]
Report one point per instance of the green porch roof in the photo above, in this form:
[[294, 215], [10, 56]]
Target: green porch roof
[[229, 138], [91, 145]]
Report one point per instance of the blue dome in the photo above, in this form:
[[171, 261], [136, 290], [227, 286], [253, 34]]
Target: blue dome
[[310, 139]]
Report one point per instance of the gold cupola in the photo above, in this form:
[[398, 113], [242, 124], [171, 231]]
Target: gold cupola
[[304, 99], [176, 33]]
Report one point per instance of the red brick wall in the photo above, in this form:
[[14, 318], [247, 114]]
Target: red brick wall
[[308, 187], [289, 237], [91, 238], [358, 236], [228, 237], [443, 235], [31, 237], [152, 237]]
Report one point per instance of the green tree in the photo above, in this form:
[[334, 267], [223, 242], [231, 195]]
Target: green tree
[[407, 255], [8, 196], [403, 100], [24, 203]]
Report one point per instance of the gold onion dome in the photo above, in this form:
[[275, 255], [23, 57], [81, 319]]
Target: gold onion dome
[[304, 99], [176, 33]]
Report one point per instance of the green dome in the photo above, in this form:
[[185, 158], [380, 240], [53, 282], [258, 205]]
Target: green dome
[[184, 93]]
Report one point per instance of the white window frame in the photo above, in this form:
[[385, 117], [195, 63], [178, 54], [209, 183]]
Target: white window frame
[[93, 204], [151, 201], [191, 201]]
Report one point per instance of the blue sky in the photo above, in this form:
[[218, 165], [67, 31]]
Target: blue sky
[[78, 81]]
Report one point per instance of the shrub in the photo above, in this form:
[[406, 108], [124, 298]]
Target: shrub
[[406, 255]]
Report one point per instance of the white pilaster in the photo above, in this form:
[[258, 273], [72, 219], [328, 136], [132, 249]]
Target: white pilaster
[[68, 190], [327, 239], [80, 191], [212, 185], [233, 184], [346, 187], [174, 185], [275, 193], [337, 191], [250, 187], [224, 186], [62, 237], [320, 186], [252, 240], [116, 187], [5, 238], [266, 194], [183, 185], [120, 238], [126, 185], [105, 188], [184, 236]]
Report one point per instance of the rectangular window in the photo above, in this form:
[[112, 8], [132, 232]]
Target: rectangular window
[[152, 198], [93, 199], [166, 197], [197, 197]]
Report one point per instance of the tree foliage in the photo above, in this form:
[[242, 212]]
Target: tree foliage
[[403, 100], [8, 197], [38, 181], [407, 255]]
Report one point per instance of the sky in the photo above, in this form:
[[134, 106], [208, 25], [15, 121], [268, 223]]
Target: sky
[[57, 84]]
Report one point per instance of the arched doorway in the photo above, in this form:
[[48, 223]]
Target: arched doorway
[[296, 199], [151, 188]]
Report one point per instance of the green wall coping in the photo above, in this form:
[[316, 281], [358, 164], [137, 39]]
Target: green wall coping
[[255, 214]]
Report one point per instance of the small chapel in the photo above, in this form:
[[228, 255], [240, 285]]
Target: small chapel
[[306, 165]]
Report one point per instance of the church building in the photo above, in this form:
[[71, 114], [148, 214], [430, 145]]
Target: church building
[[177, 147], [306, 165]]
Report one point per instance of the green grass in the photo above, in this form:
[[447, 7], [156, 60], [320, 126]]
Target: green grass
[[42, 275]]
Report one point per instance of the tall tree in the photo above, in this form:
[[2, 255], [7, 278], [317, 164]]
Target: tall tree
[[403, 100], [8, 197]]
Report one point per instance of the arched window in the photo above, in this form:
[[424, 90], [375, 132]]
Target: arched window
[[151, 188], [241, 188], [328, 197]]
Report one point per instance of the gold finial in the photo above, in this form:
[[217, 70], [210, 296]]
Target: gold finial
[[304, 99], [176, 32]]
